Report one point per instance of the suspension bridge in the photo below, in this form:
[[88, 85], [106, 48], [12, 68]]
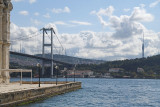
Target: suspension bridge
[[43, 41]]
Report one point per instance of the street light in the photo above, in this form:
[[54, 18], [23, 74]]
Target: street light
[[39, 70], [56, 73], [65, 71], [74, 71]]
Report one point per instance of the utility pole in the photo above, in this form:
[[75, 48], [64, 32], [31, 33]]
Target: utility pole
[[47, 45]]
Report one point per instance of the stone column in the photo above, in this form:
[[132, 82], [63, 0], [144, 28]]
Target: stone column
[[1, 41], [5, 75], [6, 39]]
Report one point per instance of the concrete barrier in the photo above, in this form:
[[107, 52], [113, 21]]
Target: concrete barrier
[[33, 95]]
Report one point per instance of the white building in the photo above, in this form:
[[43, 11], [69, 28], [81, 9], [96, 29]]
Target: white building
[[115, 70], [140, 69]]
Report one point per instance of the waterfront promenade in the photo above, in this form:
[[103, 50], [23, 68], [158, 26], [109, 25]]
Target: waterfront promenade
[[19, 94]]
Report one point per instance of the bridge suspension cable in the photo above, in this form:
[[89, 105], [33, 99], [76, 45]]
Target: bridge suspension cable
[[25, 38], [59, 42]]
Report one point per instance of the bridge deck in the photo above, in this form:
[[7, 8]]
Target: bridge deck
[[37, 57]]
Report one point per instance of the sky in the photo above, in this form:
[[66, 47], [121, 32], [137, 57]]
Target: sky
[[92, 29]]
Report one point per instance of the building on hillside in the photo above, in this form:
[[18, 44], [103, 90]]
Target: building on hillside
[[79, 73], [125, 76], [107, 75], [116, 70], [140, 69]]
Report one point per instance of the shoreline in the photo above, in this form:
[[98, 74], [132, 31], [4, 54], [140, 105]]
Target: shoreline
[[27, 93]]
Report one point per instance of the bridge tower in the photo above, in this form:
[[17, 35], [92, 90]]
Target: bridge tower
[[47, 45], [5, 8]]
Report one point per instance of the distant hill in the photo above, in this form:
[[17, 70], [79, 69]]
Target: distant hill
[[63, 58], [148, 63], [73, 60], [151, 66]]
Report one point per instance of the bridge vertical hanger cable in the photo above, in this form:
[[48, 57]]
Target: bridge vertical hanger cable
[[23, 38]]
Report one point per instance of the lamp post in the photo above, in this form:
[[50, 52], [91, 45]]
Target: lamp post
[[39, 69], [56, 73], [74, 71], [65, 71]]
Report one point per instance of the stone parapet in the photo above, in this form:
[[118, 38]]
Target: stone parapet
[[31, 95]]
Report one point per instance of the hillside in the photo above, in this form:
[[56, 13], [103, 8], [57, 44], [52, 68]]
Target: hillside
[[25, 61], [151, 66]]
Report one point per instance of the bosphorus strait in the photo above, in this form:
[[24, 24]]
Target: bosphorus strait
[[108, 93]]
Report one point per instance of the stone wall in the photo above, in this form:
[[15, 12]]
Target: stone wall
[[32, 95]]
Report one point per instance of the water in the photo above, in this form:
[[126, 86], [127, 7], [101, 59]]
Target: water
[[108, 93]]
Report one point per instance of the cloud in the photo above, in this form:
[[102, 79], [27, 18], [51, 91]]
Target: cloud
[[36, 22], [32, 1], [36, 14], [154, 3], [93, 12], [25, 13], [60, 23], [72, 23], [101, 45], [65, 10], [47, 15], [126, 26], [87, 44], [81, 23], [139, 14], [17, 0], [104, 12], [102, 21], [27, 37], [126, 10], [125, 40], [52, 25]]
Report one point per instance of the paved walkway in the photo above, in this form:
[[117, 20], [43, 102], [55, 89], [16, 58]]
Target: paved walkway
[[17, 87]]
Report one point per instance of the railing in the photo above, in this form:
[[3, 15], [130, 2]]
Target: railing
[[18, 70]]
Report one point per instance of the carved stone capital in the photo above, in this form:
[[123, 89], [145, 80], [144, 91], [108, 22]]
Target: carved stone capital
[[6, 43], [1, 1], [8, 6], [1, 8], [1, 42]]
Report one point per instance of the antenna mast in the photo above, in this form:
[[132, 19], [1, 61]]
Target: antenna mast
[[143, 46]]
